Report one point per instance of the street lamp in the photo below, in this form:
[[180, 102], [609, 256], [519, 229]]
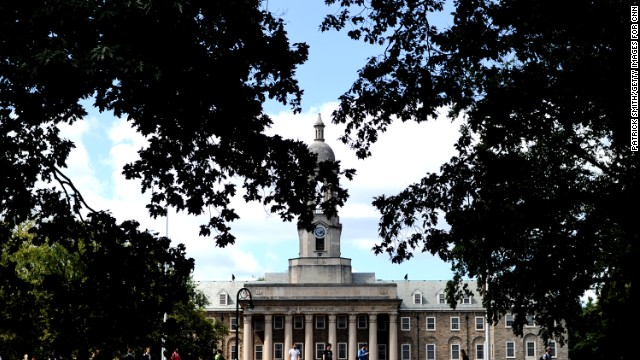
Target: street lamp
[[243, 294]]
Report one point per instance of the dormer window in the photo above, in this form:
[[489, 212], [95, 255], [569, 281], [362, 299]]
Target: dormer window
[[417, 298], [441, 299], [466, 300], [223, 298]]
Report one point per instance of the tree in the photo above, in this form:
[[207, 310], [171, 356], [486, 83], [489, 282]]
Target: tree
[[108, 289], [191, 331], [597, 331], [535, 203], [191, 76]]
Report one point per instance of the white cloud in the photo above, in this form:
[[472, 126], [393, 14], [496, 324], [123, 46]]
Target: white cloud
[[265, 243]]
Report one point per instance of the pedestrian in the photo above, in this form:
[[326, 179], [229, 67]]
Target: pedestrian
[[129, 355], [464, 355], [294, 353], [363, 353], [219, 355], [327, 354], [147, 353], [175, 355], [547, 354]]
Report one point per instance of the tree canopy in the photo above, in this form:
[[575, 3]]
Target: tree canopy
[[107, 289], [538, 204], [191, 76]]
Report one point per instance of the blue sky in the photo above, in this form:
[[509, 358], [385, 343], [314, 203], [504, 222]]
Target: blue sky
[[264, 243]]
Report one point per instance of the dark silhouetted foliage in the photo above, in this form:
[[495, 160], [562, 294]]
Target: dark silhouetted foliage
[[540, 202]]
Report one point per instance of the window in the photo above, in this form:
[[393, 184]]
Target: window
[[431, 351], [455, 323], [417, 298], [278, 322], [234, 323], [258, 352], [298, 322], [479, 351], [382, 325], [234, 353], [319, 321], [319, 244], [362, 321], [259, 325], [479, 323], [466, 299], [508, 320], [405, 323], [278, 351], [431, 323], [382, 351], [300, 347], [342, 351], [455, 351], [223, 299], [319, 350], [341, 321], [530, 348], [510, 349], [405, 352], [552, 345], [441, 299]]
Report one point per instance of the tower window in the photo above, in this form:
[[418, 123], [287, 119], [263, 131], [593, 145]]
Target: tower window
[[319, 244]]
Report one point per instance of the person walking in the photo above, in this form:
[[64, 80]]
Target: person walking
[[175, 355], [147, 353], [363, 353], [294, 353], [464, 355], [327, 354], [129, 355]]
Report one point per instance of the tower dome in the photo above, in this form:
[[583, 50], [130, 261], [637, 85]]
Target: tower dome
[[319, 147]]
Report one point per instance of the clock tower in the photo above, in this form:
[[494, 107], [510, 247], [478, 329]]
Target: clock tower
[[320, 260]]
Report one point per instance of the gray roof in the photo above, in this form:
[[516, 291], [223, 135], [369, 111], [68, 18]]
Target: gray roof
[[429, 291]]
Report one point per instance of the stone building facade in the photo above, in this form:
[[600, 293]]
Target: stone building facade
[[320, 301]]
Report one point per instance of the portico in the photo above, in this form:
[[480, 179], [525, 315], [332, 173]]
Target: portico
[[330, 313]]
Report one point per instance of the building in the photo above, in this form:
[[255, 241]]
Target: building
[[320, 301]]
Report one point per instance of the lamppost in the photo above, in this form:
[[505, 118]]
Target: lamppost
[[243, 294]]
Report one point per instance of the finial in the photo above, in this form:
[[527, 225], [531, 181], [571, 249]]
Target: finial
[[319, 125]]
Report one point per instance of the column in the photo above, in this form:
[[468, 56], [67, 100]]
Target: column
[[393, 336], [353, 340], [373, 337], [247, 338], [332, 332], [288, 334], [267, 349], [309, 346]]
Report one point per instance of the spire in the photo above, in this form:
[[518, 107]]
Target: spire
[[319, 146], [319, 125]]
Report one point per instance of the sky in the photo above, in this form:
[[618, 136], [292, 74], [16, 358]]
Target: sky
[[404, 154]]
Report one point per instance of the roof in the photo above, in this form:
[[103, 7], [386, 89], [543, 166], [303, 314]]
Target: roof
[[429, 291]]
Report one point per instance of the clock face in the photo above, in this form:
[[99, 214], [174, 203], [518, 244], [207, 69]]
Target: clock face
[[320, 231]]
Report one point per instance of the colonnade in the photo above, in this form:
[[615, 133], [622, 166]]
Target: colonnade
[[309, 347]]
